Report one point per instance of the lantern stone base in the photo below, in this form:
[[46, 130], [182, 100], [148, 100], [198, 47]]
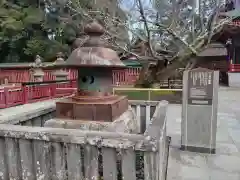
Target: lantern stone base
[[126, 123], [106, 111]]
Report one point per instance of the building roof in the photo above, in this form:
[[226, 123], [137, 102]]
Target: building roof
[[132, 63], [213, 49], [94, 57]]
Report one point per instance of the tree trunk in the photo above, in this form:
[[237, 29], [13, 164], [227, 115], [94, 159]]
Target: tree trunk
[[148, 75], [185, 59], [144, 79]]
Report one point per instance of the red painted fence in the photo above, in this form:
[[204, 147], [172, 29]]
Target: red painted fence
[[120, 77], [125, 77], [16, 95], [234, 68], [24, 75]]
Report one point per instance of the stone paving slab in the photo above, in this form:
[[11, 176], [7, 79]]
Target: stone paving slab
[[225, 164]]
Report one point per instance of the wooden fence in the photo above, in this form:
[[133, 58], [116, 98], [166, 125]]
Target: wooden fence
[[18, 95], [171, 84], [24, 75], [119, 77], [52, 153], [125, 77]]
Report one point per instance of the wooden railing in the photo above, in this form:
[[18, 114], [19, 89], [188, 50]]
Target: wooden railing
[[61, 154], [119, 77], [17, 95], [24, 75], [171, 84], [234, 68], [12, 96], [125, 77]]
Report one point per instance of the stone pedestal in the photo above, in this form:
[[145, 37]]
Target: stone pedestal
[[106, 109], [126, 123], [234, 79], [199, 110]]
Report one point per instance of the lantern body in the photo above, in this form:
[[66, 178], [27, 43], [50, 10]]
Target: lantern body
[[95, 80]]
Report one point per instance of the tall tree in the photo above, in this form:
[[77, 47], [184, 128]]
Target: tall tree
[[28, 28], [44, 27]]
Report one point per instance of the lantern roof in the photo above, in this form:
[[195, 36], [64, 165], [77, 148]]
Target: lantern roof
[[94, 56], [95, 51]]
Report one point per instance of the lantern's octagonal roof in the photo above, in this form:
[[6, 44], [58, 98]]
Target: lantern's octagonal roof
[[94, 51], [94, 57]]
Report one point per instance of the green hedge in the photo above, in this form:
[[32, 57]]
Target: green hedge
[[147, 94]]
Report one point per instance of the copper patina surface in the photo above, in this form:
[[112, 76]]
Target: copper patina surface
[[93, 105]]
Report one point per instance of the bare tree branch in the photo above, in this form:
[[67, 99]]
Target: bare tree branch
[[147, 28], [175, 27]]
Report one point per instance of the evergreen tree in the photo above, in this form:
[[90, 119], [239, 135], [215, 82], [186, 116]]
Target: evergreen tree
[[31, 27]]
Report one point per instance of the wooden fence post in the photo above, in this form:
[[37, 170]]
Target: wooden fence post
[[6, 97], [53, 90], [25, 94], [156, 132], [71, 84]]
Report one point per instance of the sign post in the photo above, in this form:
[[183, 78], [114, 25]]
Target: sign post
[[199, 110]]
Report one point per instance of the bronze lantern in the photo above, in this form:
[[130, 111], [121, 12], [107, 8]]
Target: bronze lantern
[[94, 100]]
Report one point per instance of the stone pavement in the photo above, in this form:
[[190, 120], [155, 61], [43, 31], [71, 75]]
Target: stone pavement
[[225, 164]]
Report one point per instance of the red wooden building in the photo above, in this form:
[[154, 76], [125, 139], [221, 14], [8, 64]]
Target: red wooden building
[[214, 57], [230, 37]]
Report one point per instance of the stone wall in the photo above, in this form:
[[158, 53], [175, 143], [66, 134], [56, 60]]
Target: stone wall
[[40, 112], [29, 114]]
